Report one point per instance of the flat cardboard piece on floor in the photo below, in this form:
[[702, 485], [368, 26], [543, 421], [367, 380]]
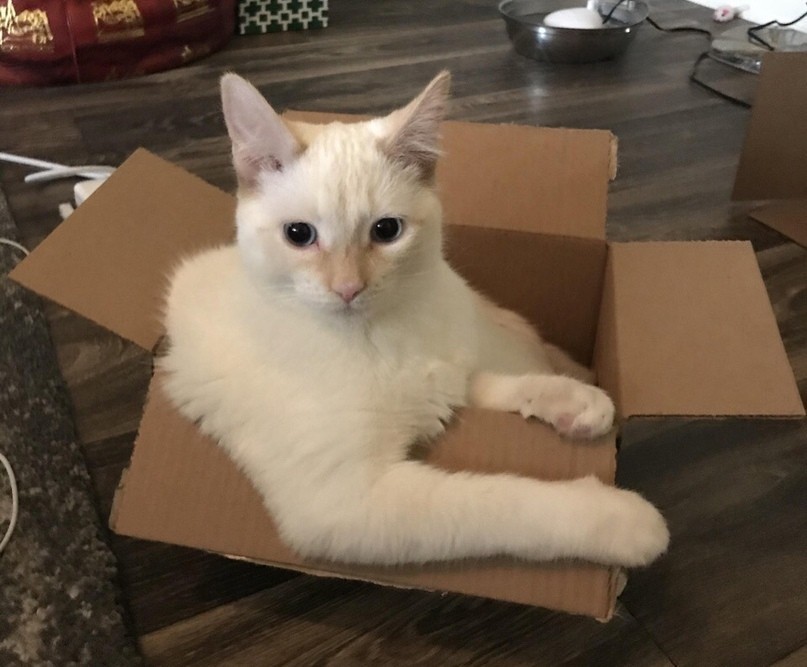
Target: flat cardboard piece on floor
[[687, 329], [773, 164], [788, 217], [110, 260], [488, 176], [182, 488]]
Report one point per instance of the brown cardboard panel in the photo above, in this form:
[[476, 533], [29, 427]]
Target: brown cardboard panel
[[183, 489], [516, 177], [773, 164], [606, 361], [787, 217], [687, 329], [109, 260], [554, 281]]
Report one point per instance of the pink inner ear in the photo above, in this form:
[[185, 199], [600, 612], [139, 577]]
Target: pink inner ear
[[261, 141], [414, 138]]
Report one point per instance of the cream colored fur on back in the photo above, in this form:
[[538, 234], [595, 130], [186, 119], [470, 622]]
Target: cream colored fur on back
[[319, 399]]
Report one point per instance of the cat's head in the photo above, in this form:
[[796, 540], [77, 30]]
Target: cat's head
[[337, 216]]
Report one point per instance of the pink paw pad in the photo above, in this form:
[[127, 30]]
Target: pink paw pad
[[564, 422]]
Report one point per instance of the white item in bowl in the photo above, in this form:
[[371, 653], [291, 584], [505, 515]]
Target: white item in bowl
[[577, 17]]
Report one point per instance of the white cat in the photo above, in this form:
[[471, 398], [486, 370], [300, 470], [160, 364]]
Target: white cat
[[334, 335]]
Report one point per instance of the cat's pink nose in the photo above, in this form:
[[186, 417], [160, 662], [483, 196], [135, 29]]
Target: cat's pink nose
[[348, 291]]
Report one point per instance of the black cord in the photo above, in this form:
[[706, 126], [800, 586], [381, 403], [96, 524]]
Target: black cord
[[693, 77], [608, 16], [693, 73], [753, 30], [682, 28]]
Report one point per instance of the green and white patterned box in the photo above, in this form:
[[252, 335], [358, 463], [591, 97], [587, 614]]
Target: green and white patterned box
[[259, 16]]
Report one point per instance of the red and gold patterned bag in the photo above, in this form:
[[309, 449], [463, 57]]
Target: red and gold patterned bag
[[68, 41]]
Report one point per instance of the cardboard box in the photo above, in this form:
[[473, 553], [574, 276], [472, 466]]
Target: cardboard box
[[773, 163], [671, 328]]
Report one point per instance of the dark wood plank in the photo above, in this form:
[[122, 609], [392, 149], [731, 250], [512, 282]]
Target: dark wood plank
[[333, 622], [733, 590], [796, 659], [784, 269], [91, 357]]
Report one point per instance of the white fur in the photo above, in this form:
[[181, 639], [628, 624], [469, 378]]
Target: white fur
[[319, 402]]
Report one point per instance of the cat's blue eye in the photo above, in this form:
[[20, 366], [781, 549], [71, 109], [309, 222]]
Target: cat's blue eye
[[300, 234], [386, 230]]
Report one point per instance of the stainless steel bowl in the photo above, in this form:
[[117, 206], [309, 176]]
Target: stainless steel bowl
[[525, 26]]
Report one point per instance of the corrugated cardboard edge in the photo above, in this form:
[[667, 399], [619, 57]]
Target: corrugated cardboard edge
[[613, 164], [616, 583]]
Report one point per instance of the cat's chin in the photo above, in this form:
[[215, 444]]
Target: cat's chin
[[339, 308]]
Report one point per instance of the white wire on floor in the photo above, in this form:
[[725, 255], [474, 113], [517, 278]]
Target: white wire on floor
[[15, 502], [53, 170], [14, 244]]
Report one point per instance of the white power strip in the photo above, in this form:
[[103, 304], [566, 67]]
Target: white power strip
[[51, 171]]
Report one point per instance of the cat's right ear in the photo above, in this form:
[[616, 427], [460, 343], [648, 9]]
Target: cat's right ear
[[413, 133], [261, 141]]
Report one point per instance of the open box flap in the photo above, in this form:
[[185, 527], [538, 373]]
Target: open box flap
[[773, 162], [687, 329], [788, 217], [488, 176], [110, 259], [182, 488]]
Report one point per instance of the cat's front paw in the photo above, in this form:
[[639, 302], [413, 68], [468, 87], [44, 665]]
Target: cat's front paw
[[628, 530], [573, 408], [588, 413]]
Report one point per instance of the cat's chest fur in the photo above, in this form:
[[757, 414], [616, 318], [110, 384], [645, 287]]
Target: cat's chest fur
[[402, 373]]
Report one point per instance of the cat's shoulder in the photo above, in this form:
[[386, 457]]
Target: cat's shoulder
[[204, 272]]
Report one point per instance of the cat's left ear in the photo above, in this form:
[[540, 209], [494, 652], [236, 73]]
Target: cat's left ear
[[261, 140], [413, 133]]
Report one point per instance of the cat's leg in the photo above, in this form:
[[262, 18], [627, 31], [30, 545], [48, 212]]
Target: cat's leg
[[510, 341], [574, 408], [563, 364], [415, 513]]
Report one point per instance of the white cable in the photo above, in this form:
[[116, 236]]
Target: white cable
[[55, 170], [15, 502], [16, 245], [29, 161], [91, 171]]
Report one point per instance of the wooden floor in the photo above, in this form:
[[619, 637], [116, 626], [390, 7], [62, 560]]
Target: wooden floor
[[733, 590]]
